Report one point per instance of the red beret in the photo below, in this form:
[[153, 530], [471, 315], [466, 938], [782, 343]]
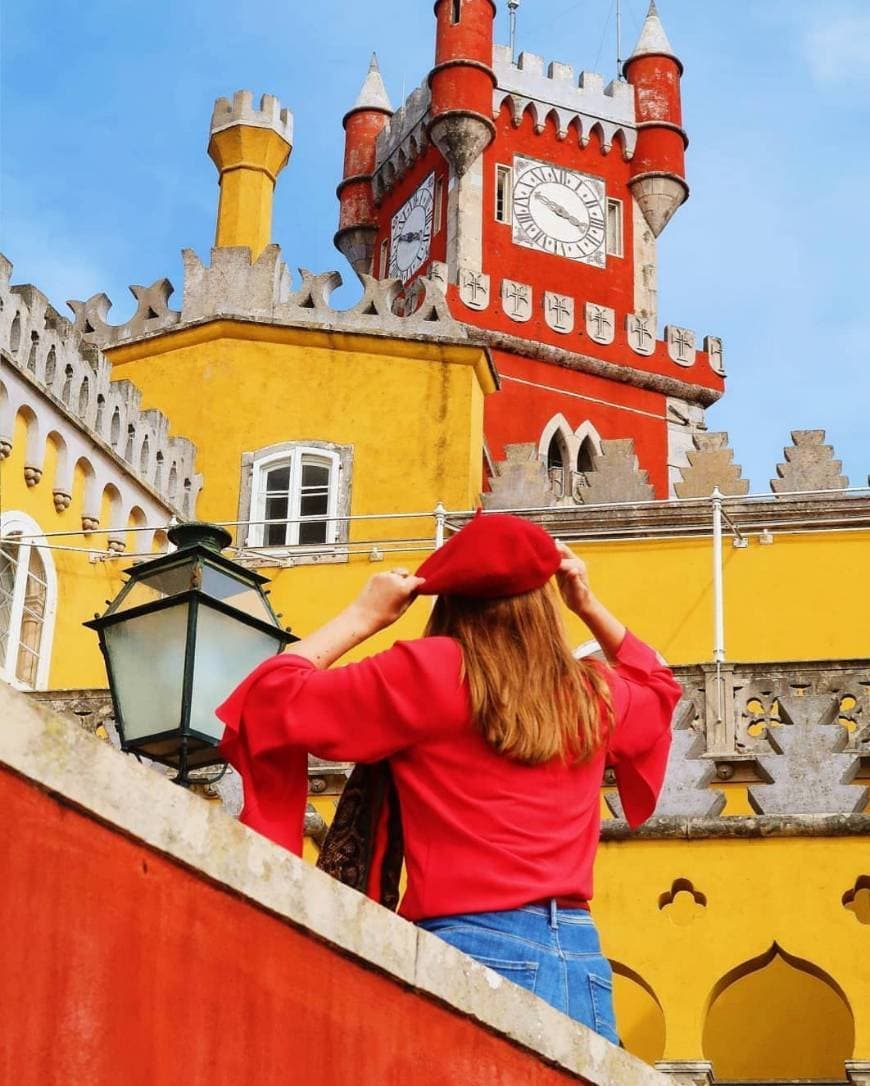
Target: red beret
[[493, 556]]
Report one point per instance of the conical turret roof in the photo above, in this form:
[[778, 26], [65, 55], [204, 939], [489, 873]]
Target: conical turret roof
[[653, 39], [373, 93]]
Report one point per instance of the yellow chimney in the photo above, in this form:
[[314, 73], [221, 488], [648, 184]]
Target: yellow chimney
[[250, 147]]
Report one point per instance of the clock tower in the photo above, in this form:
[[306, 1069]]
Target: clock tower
[[535, 197]]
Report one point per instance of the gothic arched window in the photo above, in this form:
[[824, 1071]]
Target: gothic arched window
[[586, 455], [27, 603]]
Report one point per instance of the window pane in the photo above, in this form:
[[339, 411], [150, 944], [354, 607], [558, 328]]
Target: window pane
[[315, 505], [275, 535], [31, 619], [278, 480], [8, 566], [314, 473], [312, 531]]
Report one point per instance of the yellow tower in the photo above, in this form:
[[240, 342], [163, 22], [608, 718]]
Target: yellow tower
[[250, 147]]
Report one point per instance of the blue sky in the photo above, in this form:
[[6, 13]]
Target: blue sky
[[106, 106]]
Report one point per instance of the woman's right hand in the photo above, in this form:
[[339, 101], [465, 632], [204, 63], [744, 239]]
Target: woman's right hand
[[386, 597], [573, 580]]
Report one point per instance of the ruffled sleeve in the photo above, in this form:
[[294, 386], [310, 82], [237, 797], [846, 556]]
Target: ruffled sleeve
[[361, 712], [645, 694]]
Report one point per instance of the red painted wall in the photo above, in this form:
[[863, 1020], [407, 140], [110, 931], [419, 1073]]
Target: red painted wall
[[431, 160], [533, 392], [120, 968]]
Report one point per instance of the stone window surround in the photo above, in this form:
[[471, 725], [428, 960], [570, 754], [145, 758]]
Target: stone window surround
[[13, 522], [616, 238], [339, 505]]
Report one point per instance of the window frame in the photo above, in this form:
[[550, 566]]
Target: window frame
[[438, 212], [252, 498], [615, 240], [503, 172], [17, 523], [294, 460]]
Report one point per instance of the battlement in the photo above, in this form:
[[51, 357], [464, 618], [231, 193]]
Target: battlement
[[402, 138], [228, 114], [552, 89], [113, 435]]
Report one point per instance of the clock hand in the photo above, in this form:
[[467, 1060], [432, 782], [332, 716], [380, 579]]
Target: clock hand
[[417, 236], [562, 212]]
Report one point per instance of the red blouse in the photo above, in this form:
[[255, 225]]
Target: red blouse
[[481, 832]]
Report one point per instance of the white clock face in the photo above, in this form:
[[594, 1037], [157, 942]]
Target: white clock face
[[559, 211], [411, 232]]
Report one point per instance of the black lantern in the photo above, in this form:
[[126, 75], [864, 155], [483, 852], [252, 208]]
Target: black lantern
[[184, 630]]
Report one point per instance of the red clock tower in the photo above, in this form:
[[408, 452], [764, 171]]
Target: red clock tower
[[535, 197]]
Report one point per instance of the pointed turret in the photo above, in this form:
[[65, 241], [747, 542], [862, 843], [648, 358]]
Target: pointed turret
[[462, 81], [658, 167], [373, 93], [357, 227]]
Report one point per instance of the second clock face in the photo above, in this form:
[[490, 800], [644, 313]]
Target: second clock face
[[411, 232], [559, 211]]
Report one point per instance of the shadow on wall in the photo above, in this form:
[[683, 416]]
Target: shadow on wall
[[778, 1017], [639, 1014]]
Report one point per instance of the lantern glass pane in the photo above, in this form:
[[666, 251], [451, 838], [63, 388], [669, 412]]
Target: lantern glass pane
[[235, 592], [157, 586], [146, 657], [226, 651]]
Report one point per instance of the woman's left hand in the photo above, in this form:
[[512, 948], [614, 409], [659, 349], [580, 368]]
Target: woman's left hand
[[386, 597]]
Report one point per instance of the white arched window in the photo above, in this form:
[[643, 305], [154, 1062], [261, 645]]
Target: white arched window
[[294, 492], [28, 595]]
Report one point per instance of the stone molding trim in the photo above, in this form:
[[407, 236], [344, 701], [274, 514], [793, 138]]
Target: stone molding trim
[[89, 776], [65, 384], [740, 827], [234, 286], [587, 104], [660, 519], [583, 363], [344, 453]]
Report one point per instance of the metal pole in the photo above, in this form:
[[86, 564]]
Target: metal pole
[[512, 17], [440, 520], [618, 40], [718, 602]]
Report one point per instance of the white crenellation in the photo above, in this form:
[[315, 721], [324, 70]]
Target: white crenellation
[[62, 386], [586, 104], [228, 114], [401, 142]]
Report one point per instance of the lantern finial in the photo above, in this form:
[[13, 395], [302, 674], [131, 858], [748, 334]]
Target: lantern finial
[[196, 533]]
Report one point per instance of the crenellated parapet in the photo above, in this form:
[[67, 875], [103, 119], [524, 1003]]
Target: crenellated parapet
[[232, 285], [401, 141], [57, 371], [615, 478], [583, 103], [152, 314], [240, 110]]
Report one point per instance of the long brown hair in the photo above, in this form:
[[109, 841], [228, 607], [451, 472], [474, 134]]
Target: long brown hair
[[530, 698]]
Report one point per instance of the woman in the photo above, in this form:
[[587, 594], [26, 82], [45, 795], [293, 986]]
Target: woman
[[497, 740]]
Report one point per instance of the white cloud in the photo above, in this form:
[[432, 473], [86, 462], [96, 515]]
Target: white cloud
[[838, 49]]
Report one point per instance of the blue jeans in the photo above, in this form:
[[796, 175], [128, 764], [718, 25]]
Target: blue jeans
[[555, 953]]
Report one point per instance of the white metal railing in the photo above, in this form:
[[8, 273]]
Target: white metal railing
[[441, 519]]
